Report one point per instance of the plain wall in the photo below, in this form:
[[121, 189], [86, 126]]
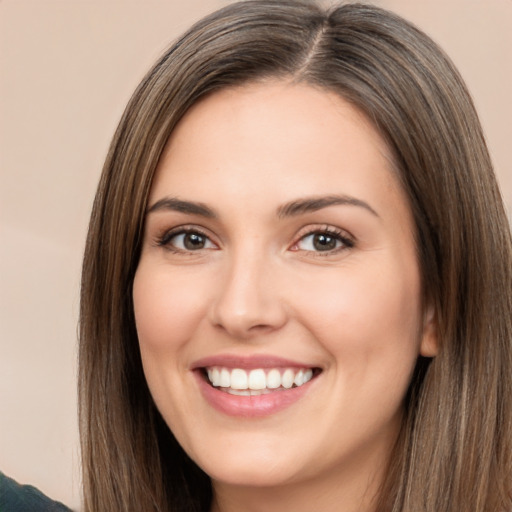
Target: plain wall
[[67, 69]]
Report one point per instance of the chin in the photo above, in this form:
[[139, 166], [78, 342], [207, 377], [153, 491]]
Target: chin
[[246, 474], [250, 463]]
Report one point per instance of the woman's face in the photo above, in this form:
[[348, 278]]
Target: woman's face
[[279, 263]]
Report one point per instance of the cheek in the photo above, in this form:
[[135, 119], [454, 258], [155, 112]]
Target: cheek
[[369, 316], [167, 310]]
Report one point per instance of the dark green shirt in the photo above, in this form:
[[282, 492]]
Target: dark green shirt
[[25, 498]]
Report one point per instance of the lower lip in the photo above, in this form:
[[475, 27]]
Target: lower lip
[[250, 406]]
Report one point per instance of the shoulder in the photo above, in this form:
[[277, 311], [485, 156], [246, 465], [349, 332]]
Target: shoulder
[[25, 498]]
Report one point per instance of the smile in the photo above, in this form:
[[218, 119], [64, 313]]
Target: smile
[[254, 386], [257, 381]]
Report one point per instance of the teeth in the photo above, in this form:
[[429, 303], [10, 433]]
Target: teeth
[[258, 381], [299, 378], [273, 379], [287, 379], [239, 379], [214, 376], [239, 392], [225, 378]]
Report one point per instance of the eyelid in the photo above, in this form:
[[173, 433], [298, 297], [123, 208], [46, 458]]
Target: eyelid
[[346, 239], [164, 237]]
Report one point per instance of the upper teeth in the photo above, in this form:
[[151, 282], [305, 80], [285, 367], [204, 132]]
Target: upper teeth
[[258, 379]]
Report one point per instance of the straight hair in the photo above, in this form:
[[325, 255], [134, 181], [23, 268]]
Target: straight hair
[[454, 450]]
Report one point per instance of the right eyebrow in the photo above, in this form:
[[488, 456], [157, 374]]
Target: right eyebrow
[[313, 204], [178, 205]]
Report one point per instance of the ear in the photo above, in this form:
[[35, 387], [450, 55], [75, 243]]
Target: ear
[[429, 346]]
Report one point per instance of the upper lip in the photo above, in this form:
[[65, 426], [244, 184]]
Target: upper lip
[[248, 362]]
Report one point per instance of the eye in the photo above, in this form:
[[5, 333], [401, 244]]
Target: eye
[[326, 241], [186, 240]]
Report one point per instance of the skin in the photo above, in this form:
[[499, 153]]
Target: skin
[[260, 286]]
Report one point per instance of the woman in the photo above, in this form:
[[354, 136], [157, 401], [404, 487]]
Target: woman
[[297, 283]]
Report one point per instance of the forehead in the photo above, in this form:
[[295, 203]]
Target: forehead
[[273, 141]]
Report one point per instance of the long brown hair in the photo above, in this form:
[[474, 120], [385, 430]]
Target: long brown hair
[[455, 447]]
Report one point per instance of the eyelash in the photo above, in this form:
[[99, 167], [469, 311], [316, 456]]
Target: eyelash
[[339, 236], [164, 240]]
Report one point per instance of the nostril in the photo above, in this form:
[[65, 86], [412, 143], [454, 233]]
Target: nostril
[[244, 326], [261, 328]]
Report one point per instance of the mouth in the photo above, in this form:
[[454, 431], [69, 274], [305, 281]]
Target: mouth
[[253, 386], [257, 381]]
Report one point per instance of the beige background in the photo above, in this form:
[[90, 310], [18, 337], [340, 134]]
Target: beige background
[[67, 68]]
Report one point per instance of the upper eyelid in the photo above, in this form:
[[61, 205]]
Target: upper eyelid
[[166, 235], [300, 234], [348, 240], [323, 228], [187, 228]]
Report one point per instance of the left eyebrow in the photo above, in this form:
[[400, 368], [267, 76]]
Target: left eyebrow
[[179, 205], [313, 204]]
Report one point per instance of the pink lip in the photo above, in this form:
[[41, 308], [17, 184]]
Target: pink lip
[[249, 406], [248, 362]]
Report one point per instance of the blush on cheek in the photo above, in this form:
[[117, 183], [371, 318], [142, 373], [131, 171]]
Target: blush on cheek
[[373, 316], [164, 317]]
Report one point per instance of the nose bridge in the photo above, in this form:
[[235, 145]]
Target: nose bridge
[[248, 299]]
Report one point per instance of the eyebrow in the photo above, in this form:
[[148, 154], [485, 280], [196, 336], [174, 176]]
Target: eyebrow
[[313, 204], [291, 209], [178, 205]]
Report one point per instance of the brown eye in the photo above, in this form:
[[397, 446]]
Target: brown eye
[[194, 241], [186, 241], [323, 241]]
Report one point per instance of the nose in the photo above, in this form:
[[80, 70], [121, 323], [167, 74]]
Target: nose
[[249, 300]]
